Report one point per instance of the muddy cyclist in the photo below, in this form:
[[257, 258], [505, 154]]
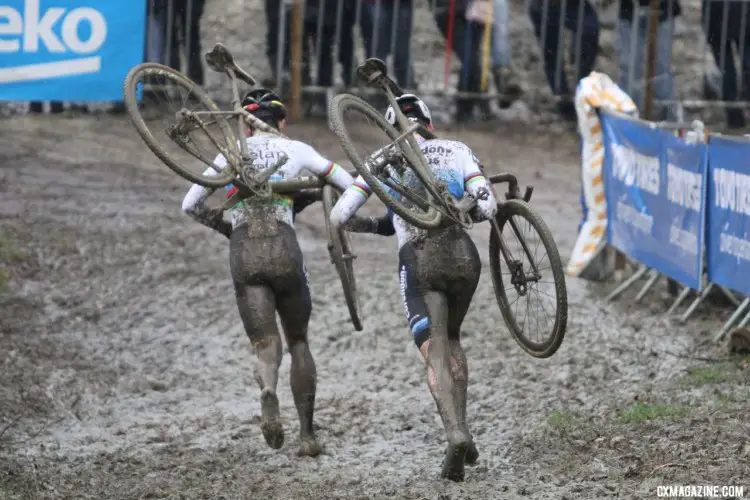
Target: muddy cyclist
[[267, 267], [439, 271]]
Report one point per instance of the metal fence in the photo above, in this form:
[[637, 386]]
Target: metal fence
[[484, 52]]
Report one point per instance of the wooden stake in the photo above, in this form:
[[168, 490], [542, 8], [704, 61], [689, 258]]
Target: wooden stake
[[296, 62], [653, 24]]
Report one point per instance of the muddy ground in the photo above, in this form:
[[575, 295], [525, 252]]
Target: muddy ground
[[125, 372]]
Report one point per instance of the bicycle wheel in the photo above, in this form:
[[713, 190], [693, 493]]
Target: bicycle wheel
[[198, 139], [418, 186], [340, 249], [517, 215]]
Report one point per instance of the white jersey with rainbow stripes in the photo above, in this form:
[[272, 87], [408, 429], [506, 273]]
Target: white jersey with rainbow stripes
[[450, 161], [265, 150]]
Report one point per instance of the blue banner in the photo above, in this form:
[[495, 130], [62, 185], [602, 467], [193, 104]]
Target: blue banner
[[69, 50], [655, 189], [728, 243]]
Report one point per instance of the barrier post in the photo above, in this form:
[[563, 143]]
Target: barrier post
[[701, 297], [296, 62], [653, 23], [649, 284], [679, 300], [736, 314], [744, 322], [627, 283]]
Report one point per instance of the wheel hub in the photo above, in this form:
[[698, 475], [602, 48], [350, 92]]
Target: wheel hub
[[180, 131], [518, 277]]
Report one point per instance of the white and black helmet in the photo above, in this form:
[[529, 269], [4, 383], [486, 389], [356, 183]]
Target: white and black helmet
[[413, 107]]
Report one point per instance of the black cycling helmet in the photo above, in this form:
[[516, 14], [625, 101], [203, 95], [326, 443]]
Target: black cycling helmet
[[413, 108], [265, 105]]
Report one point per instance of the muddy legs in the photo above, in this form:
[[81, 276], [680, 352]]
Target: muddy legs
[[267, 375], [303, 381], [257, 307], [460, 372], [295, 315], [447, 379]]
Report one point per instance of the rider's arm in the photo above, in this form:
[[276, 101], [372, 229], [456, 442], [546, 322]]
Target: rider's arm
[[330, 171], [474, 181], [351, 200], [194, 204]]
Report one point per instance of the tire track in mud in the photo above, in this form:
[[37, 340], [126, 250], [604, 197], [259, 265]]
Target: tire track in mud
[[150, 383]]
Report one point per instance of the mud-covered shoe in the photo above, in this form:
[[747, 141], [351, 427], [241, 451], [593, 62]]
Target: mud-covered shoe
[[455, 458], [472, 455], [270, 423], [309, 447]]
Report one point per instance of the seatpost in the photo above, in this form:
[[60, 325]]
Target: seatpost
[[236, 105], [403, 122]]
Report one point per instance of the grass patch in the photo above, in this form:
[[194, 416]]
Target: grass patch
[[10, 256], [8, 251], [730, 398], [6, 495], [642, 412], [705, 375], [561, 421]]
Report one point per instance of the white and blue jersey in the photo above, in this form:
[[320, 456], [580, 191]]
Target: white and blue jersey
[[450, 161]]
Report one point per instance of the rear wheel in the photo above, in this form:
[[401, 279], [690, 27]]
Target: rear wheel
[[186, 143], [416, 206], [529, 278]]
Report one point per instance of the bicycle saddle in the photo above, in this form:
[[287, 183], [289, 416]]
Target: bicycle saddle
[[220, 60], [374, 72]]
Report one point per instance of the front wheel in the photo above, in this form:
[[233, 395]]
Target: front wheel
[[415, 205], [525, 274], [342, 255]]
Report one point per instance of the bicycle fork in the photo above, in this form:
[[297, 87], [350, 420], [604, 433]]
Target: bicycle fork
[[518, 278]]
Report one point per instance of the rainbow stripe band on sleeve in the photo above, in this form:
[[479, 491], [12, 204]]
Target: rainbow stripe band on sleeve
[[476, 176], [362, 189], [329, 171]]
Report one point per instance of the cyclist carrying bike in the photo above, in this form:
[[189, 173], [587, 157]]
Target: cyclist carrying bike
[[439, 271], [267, 266]]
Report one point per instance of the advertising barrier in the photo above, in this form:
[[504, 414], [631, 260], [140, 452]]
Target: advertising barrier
[[655, 193], [69, 50], [728, 225]]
